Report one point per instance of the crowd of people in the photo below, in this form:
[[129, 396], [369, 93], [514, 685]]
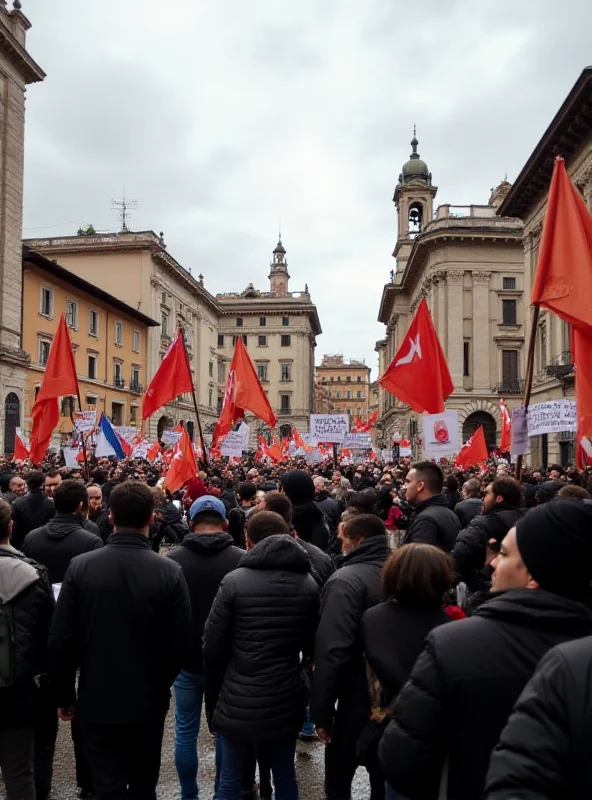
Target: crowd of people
[[431, 625]]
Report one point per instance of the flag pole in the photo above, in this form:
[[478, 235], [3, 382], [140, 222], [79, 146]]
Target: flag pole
[[86, 470], [195, 406], [529, 375]]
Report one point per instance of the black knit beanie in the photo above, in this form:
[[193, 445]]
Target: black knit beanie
[[555, 544], [299, 486]]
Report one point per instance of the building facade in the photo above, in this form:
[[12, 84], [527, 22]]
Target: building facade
[[569, 135], [138, 268], [347, 384], [279, 329], [17, 70], [109, 339], [468, 263]]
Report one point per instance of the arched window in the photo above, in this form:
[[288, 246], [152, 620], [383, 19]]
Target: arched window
[[415, 220], [12, 420], [474, 420]]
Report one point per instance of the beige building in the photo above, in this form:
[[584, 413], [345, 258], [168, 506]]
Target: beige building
[[17, 70], [468, 263], [348, 385], [569, 135], [138, 269], [279, 328]]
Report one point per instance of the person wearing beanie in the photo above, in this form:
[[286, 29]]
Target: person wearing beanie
[[308, 519], [465, 683]]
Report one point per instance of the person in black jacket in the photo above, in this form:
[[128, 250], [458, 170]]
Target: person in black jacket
[[452, 495], [431, 522], [471, 504], [465, 683], [26, 606], [330, 507], [308, 519], [54, 545], [123, 617], [97, 511], [544, 750], [237, 517], [31, 511], [263, 617], [340, 674], [501, 510], [206, 555]]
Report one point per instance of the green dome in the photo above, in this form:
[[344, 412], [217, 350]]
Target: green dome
[[415, 167]]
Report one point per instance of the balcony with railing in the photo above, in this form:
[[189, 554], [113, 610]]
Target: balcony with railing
[[119, 383], [510, 387], [136, 387], [284, 412], [561, 367]]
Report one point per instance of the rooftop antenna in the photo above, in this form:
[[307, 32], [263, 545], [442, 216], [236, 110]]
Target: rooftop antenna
[[123, 207]]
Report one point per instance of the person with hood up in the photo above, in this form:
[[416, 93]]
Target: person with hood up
[[308, 519], [263, 618], [206, 556], [450, 714]]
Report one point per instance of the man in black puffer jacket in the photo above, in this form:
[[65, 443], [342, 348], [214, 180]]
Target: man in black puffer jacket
[[501, 511], [26, 606], [544, 752], [263, 617], [465, 684], [431, 521], [340, 672], [31, 511]]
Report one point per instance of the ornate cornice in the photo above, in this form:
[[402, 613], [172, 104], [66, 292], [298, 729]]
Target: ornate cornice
[[481, 278], [454, 276]]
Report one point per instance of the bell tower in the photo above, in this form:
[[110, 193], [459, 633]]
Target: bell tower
[[278, 276], [414, 200]]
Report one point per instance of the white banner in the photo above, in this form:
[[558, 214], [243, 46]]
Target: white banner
[[85, 421], [519, 445], [554, 416], [358, 441], [313, 456], [141, 450], [70, 455], [170, 438], [235, 442], [405, 452], [387, 455], [329, 427], [440, 434], [127, 432]]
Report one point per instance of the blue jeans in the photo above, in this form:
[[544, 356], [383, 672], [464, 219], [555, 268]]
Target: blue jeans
[[308, 727], [280, 756], [189, 692]]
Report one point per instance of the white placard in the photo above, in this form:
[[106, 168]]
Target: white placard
[[405, 452], [233, 443], [358, 441], [70, 456], [554, 416], [141, 450], [330, 428], [127, 432], [170, 438], [313, 456], [519, 445], [387, 455], [440, 434], [85, 421]]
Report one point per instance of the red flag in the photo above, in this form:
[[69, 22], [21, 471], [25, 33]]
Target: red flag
[[59, 380], [563, 279], [418, 374], [20, 451], [475, 451], [581, 343], [152, 454], [171, 379], [506, 438], [369, 424], [183, 464], [243, 393], [274, 450]]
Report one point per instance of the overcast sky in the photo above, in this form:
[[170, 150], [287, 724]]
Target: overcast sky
[[224, 118]]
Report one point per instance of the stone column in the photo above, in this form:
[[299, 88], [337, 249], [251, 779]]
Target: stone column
[[480, 356], [454, 348]]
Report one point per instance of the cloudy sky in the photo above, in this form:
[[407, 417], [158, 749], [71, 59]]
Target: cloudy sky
[[224, 118]]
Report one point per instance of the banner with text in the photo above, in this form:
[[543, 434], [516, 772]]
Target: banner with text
[[519, 444], [554, 416], [331, 428], [85, 421], [358, 441]]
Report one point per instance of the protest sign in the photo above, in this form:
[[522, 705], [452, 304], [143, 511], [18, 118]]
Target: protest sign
[[387, 455], [554, 416], [440, 434], [330, 428], [358, 441], [404, 452], [71, 457], [170, 438], [85, 421], [234, 443], [519, 444], [127, 432], [313, 456]]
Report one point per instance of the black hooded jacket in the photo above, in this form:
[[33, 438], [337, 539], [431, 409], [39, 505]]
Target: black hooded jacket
[[54, 545], [29, 512], [463, 688], [310, 524], [432, 522], [263, 617], [205, 559]]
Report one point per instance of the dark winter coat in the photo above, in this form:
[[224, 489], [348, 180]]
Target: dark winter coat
[[544, 751], [237, 519], [205, 559], [432, 522], [101, 520], [470, 548], [452, 499], [29, 512], [393, 637], [322, 566], [467, 509], [228, 497], [310, 523], [331, 509], [263, 617], [123, 618], [463, 688], [25, 586], [339, 663], [57, 543]]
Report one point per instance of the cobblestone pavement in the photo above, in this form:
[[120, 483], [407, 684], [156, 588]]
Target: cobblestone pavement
[[309, 765]]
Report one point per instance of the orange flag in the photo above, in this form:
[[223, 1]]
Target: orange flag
[[20, 451], [59, 380], [171, 379], [274, 450], [563, 279], [418, 374], [153, 451], [243, 393], [506, 439], [475, 451], [183, 464]]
